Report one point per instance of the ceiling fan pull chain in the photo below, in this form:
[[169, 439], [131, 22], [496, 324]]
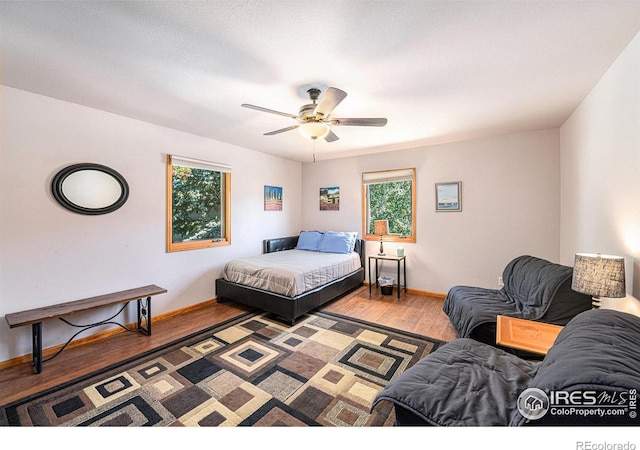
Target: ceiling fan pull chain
[[314, 150]]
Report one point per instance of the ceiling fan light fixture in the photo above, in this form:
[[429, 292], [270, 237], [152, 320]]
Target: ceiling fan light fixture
[[314, 130]]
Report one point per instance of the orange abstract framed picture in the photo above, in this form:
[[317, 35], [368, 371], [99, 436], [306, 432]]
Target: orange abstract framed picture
[[330, 199]]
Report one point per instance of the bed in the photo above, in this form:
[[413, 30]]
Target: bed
[[259, 286]]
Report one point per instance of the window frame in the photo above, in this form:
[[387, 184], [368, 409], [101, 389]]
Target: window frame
[[204, 243], [380, 174]]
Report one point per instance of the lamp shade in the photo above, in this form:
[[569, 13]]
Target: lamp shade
[[381, 227], [314, 130], [599, 275]]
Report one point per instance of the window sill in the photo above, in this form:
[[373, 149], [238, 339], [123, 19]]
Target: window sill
[[390, 238]]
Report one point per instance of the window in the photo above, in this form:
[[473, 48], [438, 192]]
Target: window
[[390, 195], [198, 204]]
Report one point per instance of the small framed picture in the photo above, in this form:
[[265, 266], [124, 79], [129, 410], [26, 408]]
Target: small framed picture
[[272, 198], [330, 199], [449, 196]]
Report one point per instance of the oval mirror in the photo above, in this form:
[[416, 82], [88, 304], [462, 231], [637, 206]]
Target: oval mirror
[[90, 189]]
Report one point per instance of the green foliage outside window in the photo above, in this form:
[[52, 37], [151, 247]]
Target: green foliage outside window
[[391, 201], [197, 204]]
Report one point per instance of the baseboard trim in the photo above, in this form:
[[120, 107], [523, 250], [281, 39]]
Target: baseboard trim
[[416, 291], [427, 293], [99, 336]]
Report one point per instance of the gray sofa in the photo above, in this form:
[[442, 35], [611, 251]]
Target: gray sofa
[[593, 367], [534, 289]]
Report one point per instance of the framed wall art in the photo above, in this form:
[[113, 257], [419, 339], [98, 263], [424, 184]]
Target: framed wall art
[[272, 198], [449, 196], [330, 199]]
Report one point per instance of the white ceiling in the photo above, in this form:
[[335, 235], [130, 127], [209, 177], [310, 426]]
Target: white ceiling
[[439, 71]]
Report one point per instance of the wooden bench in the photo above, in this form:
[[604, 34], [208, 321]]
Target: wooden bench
[[35, 317]]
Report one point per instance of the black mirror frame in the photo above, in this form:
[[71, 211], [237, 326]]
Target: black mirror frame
[[58, 194]]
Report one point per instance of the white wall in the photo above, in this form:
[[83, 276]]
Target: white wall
[[601, 172], [510, 206], [51, 255]]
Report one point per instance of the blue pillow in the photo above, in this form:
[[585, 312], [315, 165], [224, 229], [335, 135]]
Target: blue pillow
[[353, 236], [309, 240], [336, 242]]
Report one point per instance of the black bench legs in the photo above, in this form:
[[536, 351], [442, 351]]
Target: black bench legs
[[36, 355], [144, 327], [144, 316]]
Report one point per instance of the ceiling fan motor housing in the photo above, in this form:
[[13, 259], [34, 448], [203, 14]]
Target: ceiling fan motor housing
[[306, 113]]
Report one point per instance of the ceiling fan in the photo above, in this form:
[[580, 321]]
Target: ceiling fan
[[314, 118]]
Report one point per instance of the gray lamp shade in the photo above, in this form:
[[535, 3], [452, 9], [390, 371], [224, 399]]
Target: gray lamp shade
[[599, 275]]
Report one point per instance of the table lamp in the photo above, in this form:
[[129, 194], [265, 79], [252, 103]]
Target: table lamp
[[381, 227], [599, 276]]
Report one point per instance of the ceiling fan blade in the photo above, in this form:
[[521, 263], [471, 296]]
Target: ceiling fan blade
[[368, 122], [331, 136], [331, 98], [282, 130], [260, 108]]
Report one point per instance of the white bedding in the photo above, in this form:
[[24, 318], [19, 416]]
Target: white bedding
[[290, 272]]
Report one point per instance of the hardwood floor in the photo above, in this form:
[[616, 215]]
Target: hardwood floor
[[415, 313]]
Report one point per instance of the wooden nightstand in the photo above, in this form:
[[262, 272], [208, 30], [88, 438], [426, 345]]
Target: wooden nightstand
[[527, 335]]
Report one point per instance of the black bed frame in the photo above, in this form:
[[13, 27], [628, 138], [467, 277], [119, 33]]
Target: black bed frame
[[290, 308]]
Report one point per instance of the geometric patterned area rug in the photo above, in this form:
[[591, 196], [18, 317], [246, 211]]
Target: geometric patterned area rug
[[252, 370]]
